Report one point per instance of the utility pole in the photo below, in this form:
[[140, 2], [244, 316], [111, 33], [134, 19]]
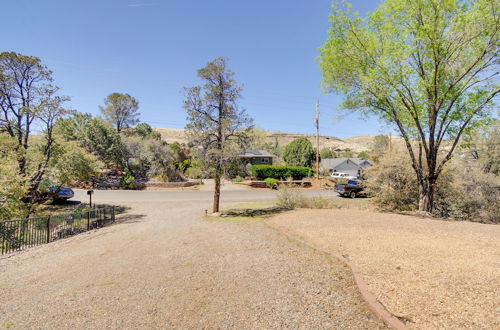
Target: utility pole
[[317, 139]]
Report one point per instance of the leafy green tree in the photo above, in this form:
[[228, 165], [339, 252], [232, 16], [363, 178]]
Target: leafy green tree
[[346, 154], [121, 110], [29, 103], [300, 152], [429, 67], [13, 186], [74, 128], [364, 155], [104, 141], [326, 153], [75, 165], [94, 134], [215, 121], [144, 130]]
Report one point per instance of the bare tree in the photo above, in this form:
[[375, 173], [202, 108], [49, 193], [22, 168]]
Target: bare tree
[[122, 110], [215, 122]]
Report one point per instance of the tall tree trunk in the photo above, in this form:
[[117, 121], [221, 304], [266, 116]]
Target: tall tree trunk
[[22, 165], [426, 198], [217, 178]]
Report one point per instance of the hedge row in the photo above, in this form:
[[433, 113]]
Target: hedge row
[[280, 172]]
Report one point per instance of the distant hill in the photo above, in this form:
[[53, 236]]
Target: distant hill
[[355, 144]]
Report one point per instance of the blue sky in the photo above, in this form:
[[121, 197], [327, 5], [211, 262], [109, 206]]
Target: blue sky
[[151, 49]]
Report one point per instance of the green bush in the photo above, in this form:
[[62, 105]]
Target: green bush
[[127, 181], [280, 172], [271, 183], [196, 172], [238, 179]]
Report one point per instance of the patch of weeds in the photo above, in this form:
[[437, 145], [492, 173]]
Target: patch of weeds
[[291, 198], [107, 283], [74, 209], [73, 297], [184, 265], [354, 203], [252, 205], [318, 202], [8, 325]]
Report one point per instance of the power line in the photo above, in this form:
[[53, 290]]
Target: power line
[[317, 139]]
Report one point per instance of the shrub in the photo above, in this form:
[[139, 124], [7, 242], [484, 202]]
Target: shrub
[[127, 181], [271, 183], [289, 197], [238, 179], [393, 183], [196, 172], [318, 202], [236, 168], [463, 191], [280, 172]]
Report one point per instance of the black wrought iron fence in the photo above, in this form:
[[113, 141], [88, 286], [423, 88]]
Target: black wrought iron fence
[[17, 235]]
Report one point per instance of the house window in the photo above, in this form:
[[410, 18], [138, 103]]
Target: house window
[[264, 160]]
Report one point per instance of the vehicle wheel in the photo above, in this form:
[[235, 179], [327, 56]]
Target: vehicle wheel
[[352, 194]]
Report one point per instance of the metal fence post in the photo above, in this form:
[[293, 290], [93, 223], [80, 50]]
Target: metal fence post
[[113, 214], [48, 229], [2, 229], [88, 220]]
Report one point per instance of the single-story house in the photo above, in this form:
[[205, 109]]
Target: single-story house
[[351, 166], [257, 157]]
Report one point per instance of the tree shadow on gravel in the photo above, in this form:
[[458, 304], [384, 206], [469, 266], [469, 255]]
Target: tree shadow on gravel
[[258, 212], [130, 218]]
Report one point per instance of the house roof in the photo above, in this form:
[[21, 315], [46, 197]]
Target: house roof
[[334, 162], [255, 153]]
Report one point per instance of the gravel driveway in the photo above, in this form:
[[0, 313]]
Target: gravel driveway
[[433, 274], [163, 266]]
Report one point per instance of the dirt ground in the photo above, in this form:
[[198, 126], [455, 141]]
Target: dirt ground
[[430, 273], [164, 266]]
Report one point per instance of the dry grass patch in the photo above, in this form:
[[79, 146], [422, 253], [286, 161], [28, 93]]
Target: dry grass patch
[[432, 274]]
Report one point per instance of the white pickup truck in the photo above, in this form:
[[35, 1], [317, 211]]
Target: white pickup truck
[[340, 175]]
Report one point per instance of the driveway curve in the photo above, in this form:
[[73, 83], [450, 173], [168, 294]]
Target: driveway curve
[[163, 266]]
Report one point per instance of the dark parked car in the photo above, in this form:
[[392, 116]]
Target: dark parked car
[[352, 189], [61, 193]]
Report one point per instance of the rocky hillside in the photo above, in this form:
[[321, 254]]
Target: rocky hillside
[[355, 144]]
